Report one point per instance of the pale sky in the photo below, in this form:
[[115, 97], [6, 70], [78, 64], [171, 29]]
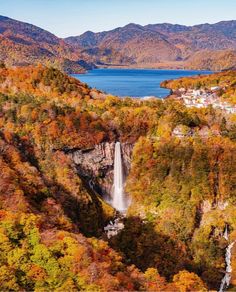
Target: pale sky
[[73, 17]]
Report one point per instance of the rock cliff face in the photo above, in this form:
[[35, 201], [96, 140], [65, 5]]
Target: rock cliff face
[[208, 206], [95, 165]]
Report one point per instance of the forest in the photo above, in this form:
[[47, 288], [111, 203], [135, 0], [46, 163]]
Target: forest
[[182, 188]]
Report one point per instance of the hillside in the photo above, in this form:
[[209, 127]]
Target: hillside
[[48, 212], [216, 61], [225, 81], [206, 46], [132, 41], [22, 44], [160, 45], [52, 216]]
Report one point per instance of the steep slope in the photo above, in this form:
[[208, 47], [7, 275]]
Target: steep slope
[[208, 60], [213, 37], [41, 244], [132, 41], [22, 43], [47, 209], [154, 44]]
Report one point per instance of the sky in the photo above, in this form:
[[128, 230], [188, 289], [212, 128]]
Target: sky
[[74, 17]]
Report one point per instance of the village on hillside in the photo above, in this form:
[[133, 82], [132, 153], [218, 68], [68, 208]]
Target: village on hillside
[[202, 98]]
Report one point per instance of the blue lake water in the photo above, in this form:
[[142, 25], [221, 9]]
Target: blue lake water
[[133, 82]]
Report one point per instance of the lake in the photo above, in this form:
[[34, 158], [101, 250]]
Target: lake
[[133, 82]]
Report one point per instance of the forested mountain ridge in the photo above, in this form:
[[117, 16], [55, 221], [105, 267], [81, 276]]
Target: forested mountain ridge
[[48, 213], [206, 46], [22, 43], [160, 45], [216, 61]]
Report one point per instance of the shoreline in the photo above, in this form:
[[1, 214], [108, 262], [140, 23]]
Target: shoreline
[[145, 68]]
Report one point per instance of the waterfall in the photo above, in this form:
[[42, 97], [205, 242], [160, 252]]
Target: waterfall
[[226, 280], [227, 277], [119, 200], [226, 237]]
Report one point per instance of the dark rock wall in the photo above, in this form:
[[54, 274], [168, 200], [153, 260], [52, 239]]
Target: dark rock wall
[[96, 165]]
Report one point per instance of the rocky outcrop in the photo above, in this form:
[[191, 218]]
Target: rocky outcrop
[[208, 206], [95, 165]]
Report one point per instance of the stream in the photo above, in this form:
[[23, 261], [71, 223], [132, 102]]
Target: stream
[[114, 227], [225, 282]]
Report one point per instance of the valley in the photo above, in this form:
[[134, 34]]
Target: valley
[[117, 146], [57, 152]]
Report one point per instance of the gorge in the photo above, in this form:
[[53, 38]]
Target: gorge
[[118, 146], [57, 150], [225, 282]]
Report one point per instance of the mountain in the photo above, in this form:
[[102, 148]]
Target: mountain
[[57, 139], [208, 60], [204, 46], [156, 45], [133, 41], [54, 130], [22, 44]]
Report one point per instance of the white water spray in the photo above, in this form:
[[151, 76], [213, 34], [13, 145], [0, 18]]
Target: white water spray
[[226, 237], [119, 201], [114, 227], [227, 277]]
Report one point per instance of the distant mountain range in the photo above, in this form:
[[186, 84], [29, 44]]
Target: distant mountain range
[[162, 45], [205, 46], [22, 43]]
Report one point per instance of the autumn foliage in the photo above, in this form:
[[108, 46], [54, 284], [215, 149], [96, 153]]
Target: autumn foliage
[[51, 222]]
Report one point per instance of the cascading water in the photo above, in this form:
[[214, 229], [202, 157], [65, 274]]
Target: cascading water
[[226, 237], [119, 201], [227, 277], [114, 227]]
